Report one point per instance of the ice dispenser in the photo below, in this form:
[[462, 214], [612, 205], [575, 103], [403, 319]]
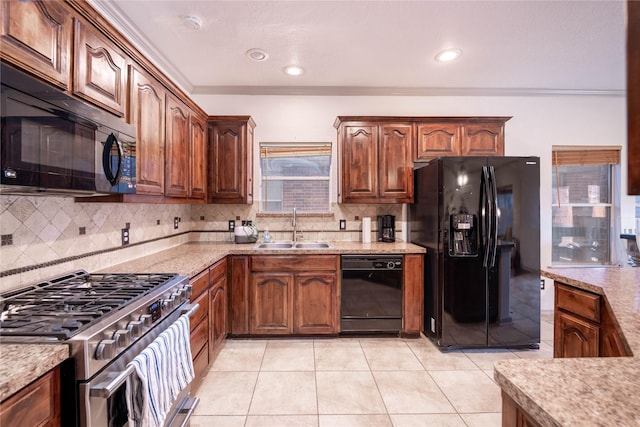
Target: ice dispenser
[[463, 235]]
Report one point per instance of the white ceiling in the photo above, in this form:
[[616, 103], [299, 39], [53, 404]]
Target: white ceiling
[[383, 47]]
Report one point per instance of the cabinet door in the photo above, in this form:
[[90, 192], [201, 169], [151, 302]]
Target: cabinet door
[[38, 404], [197, 158], [218, 315], [177, 145], [100, 70], [360, 164], [437, 139], [36, 36], [316, 302], [238, 305], [147, 112], [271, 303], [229, 163], [575, 337], [395, 179], [483, 139]]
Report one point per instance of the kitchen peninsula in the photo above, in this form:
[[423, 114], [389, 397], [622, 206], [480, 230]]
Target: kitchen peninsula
[[585, 390]]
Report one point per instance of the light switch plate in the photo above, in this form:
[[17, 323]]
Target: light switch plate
[[343, 224]]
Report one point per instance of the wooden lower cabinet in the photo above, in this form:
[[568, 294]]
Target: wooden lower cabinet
[[38, 404], [208, 324], [293, 294], [513, 415], [413, 295], [584, 325]]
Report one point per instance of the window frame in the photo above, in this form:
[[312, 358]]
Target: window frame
[[323, 148]]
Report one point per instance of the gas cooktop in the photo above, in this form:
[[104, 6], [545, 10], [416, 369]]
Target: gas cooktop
[[63, 307]]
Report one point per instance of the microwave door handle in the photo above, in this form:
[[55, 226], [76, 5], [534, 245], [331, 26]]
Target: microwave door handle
[[106, 159]]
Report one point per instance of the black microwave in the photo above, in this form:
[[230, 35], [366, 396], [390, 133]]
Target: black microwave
[[55, 144]]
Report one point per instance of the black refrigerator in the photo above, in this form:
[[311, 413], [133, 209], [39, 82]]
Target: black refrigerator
[[479, 220]]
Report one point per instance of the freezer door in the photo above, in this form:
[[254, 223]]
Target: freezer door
[[514, 279]]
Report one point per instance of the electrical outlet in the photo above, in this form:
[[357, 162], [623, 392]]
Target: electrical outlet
[[542, 284], [343, 224], [357, 218], [232, 225], [176, 221], [125, 236], [201, 217]]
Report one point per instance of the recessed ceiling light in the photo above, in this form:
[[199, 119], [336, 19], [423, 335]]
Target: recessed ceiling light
[[192, 22], [293, 70], [257, 55], [448, 55]]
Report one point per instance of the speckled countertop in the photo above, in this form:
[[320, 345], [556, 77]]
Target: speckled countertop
[[584, 391], [22, 363], [191, 258]]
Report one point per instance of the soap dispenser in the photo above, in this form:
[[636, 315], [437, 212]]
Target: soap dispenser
[[267, 236]]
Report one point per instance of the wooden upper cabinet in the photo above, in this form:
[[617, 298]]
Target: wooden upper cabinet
[[395, 180], [459, 136], [483, 139], [147, 113], [230, 159], [375, 161], [100, 69], [177, 146], [198, 157], [36, 36], [437, 139], [360, 162]]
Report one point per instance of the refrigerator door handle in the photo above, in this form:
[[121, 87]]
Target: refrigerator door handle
[[486, 216], [496, 218]]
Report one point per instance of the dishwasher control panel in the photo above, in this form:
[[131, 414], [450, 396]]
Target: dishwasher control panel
[[371, 262]]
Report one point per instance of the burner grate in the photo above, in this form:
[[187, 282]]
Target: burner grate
[[62, 307]]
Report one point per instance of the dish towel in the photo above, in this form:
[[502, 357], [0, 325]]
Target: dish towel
[[161, 372]]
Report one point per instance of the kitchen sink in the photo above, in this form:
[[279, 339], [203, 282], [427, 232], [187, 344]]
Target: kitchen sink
[[292, 245], [279, 245], [312, 245]]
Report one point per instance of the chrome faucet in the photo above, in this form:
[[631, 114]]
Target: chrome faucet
[[293, 223]]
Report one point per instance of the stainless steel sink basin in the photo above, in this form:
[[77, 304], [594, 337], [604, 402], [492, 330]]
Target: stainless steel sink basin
[[312, 245], [292, 245], [278, 245]]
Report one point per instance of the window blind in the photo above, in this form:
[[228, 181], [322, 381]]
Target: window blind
[[574, 155]]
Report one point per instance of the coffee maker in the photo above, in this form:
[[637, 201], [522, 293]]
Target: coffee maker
[[386, 228]]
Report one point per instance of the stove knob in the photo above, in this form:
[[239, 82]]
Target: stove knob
[[167, 304], [135, 328], [188, 290], [146, 320], [178, 295], [106, 349], [122, 337]]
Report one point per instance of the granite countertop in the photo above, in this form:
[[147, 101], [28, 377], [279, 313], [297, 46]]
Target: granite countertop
[[23, 363], [584, 391], [192, 258]]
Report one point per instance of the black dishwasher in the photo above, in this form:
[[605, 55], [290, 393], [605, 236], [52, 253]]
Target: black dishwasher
[[371, 294]]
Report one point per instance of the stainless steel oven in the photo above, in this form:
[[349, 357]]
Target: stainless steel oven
[[107, 320], [371, 294]]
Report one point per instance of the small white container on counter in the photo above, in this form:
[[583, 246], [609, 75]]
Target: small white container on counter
[[366, 230]]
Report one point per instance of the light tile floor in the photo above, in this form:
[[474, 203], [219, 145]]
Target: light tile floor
[[344, 382]]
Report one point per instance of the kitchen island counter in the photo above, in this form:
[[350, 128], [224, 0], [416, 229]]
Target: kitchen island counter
[[584, 391]]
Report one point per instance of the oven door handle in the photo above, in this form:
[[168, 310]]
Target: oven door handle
[[107, 390]]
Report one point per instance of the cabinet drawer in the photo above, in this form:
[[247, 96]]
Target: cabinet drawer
[[218, 269], [202, 314], [579, 302], [280, 263], [200, 283], [199, 338]]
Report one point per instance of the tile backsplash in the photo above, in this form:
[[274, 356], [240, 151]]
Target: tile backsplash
[[46, 236]]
